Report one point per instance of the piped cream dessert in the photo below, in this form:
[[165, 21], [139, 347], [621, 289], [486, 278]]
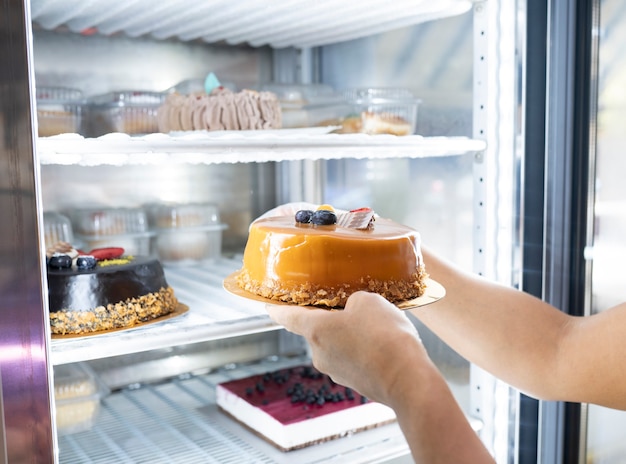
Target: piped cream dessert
[[221, 109], [323, 261]]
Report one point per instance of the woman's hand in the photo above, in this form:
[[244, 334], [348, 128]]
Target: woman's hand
[[367, 346], [372, 347]]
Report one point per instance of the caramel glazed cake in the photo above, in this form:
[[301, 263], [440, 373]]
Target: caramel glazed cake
[[320, 258], [104, 290]]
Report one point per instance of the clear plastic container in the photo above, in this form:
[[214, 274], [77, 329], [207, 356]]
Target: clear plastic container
[[77, 393], [196, 86], [189, 245], [382, 111], [298, 95], [132, 112], [113, 227], [59, 110], [186, 233], [174, 215], [309, 105], [57, 228]]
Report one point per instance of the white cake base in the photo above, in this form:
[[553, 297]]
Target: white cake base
[[314, 425]]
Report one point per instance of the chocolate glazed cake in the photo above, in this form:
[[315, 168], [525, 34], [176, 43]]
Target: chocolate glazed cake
[[114, 294]]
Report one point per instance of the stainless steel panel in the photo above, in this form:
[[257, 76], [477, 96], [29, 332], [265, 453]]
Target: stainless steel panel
[[28, 425]]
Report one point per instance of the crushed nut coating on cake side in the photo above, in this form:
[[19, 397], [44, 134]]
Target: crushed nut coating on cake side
[[311, 295], [114, 316]]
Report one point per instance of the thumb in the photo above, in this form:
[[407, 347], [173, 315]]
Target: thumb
[[296, 319]]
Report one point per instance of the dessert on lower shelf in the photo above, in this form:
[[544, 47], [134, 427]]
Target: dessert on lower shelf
[[77, 395], [296, 407], [320, 258], [104, 289], [222, 109]]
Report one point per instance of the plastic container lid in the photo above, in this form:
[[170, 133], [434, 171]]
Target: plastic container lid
[[99, 222], [173, 216], [195, 86], [77, 394], [58, 95], [380, 95], [131, 98]]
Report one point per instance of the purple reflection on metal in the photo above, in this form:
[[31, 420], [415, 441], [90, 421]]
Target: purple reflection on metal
[[24, 373]]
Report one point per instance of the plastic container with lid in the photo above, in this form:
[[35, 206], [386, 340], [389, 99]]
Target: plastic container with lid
[[77, 394], [59, 111], [113, 227], [132, 112], [186, 234], [57, 228], [382, 111], [196, 86], [308, 105]]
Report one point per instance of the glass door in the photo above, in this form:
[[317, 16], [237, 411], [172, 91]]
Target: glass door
[[605, 427]]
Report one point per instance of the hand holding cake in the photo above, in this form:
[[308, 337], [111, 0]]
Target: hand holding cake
[[377, 332], [373, 347]]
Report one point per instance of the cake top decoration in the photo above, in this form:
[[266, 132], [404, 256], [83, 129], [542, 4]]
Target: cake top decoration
[[211, 82], [361, 218], [63, 255]]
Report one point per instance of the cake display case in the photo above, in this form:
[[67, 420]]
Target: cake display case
[[412, 108], [209, 186]]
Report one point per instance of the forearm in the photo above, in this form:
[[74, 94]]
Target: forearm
[[432, 422], [507, 332]]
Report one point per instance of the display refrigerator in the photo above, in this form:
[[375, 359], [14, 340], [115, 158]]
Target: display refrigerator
[[506, 171]]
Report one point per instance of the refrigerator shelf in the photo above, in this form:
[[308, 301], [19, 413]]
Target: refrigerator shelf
[[295, 23], [178, 421], [242, 147], [213, 314]]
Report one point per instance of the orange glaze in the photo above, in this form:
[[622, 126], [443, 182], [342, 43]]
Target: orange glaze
[[279, 250]]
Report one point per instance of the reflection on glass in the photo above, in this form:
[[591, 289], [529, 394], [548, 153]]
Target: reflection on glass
[[605, 429]]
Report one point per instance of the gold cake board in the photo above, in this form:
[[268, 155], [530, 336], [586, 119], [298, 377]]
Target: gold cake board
[[178, 311], [434, 291]]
